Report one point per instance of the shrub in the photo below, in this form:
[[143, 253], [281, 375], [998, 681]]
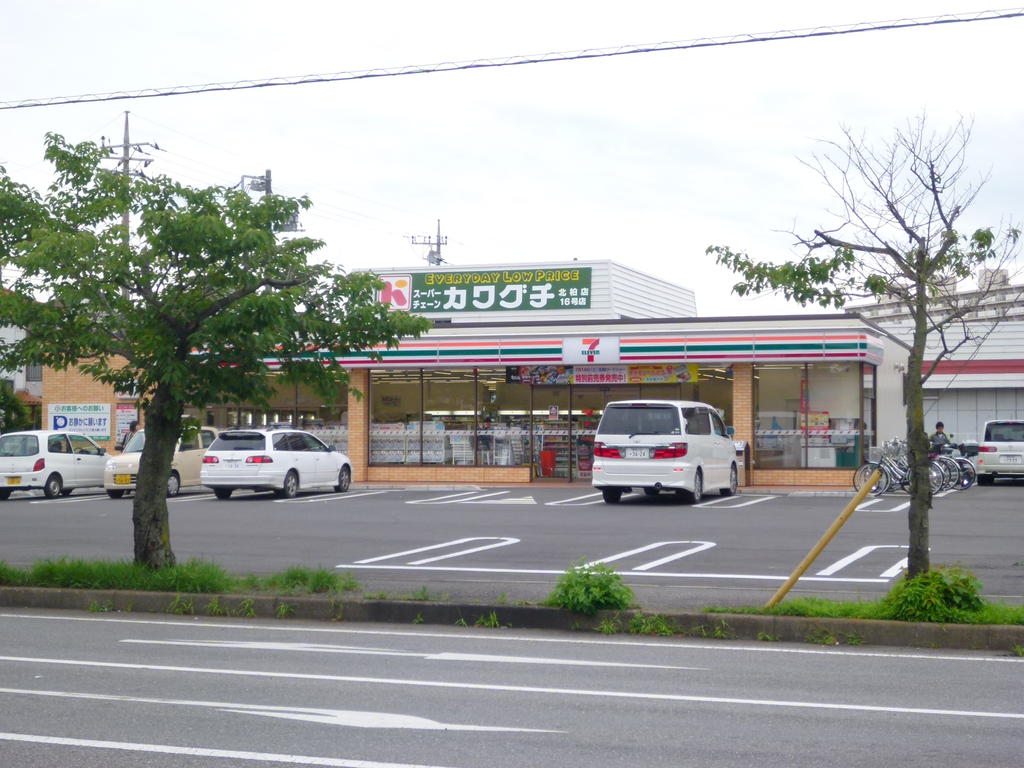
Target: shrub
[[589, 588], [947, 595]]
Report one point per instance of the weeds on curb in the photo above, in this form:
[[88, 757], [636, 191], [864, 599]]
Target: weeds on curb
[[181, 606], [610, 626], [767, 637], [1017, 650], [214, 608], [590, 587], [96, 606], [822, 637], [488, 620], [461, 623], [651, 624], [418, 618], [247, 608]]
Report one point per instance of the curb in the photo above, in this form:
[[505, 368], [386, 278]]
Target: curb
[[718, 626]]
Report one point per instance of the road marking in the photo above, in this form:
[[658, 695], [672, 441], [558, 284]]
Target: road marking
[[542, 572], [513, 637], [166, 749], [495, 688], [897, 569], [503, 541], [700, 547], [838, 565], [344, 717], [184, 499], [574, 498], [748, 503], [522, 500], [67, 499], [434, 499], [445, 656], [867, 504], [328, 497]]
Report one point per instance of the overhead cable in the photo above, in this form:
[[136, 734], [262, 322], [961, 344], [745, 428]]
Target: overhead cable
[[512, 61]]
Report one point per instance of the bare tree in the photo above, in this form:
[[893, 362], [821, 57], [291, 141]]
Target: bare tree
[[896, 233]]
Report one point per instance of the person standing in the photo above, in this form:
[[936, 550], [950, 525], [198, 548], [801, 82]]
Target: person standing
[[133, 427]]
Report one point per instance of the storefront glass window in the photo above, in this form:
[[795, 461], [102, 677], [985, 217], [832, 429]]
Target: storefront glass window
[[808, 416], [449, 410], [396, 407]]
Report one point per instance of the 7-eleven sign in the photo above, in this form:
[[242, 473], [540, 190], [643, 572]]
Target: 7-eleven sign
[[592, 350]]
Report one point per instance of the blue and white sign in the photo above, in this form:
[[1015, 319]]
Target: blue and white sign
[[92, 419]]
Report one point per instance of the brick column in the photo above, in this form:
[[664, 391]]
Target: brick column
[[359, 423]]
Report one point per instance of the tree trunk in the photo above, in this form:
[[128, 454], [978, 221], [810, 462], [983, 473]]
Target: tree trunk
[[918, 559], [149, 508]]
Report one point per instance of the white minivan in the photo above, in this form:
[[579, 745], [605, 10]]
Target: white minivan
[[663, 445]]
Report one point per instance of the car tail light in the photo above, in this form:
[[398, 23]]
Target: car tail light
[[987, 449], [211, 460], [258, 460], [674, 451], [39, 466], [606, 451]]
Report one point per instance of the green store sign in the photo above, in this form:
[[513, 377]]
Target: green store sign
[[511, 290]]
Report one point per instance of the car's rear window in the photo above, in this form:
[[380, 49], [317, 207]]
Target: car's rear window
[[640, 420], [19, 445], [1004, 432], [239, 441]]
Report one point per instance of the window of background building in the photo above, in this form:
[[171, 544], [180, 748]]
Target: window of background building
[[33, 373]]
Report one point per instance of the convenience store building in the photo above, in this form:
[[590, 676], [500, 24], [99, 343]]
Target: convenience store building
[[510, 382]]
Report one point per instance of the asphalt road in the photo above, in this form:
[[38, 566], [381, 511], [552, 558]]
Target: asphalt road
[[509, 544], [90, 690]]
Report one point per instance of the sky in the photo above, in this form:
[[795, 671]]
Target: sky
[[644, 159]]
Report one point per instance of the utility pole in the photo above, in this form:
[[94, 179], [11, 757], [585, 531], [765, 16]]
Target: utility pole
[[434, 254], [126, 160], [263, 184]]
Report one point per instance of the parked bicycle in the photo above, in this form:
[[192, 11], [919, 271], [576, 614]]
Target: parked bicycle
[[891, 459]]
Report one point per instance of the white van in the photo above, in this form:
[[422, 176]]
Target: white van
[[663, 445]]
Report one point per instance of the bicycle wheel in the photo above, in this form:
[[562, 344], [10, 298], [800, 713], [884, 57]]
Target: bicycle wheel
[[968, 474], [936, 477], [950, 472], [862, 474]]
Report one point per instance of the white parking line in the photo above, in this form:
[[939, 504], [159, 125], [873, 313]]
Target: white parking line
[[748, 503], [862, 552], [328, 497], [68, 499], [700, 547], [435, 499], [504, 541], [574, 498]]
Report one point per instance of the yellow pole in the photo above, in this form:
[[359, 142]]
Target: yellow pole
[[825, 539]]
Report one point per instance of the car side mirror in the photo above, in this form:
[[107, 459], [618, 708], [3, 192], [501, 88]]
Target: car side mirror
[[730, 431]]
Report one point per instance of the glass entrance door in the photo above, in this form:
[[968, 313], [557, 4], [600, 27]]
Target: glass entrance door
[[552, 446]]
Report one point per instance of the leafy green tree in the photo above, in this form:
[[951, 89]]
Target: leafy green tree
[[186, 310], [897, 232], [14, 415]]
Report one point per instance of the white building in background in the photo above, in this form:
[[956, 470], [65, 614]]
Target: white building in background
[[984, 378], [27, 383]]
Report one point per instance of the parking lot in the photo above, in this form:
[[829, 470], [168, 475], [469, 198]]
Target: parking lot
[[511, 544]]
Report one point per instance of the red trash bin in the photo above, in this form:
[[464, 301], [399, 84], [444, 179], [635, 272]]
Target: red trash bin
[[547, 463]]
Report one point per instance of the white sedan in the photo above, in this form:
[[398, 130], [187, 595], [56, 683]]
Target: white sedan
[[57, 462]]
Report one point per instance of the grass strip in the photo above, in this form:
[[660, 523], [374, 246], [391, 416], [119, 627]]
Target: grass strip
[[194, 576], [819, 608]]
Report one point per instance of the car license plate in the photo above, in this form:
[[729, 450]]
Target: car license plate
[[1012, 458], [14, 480], [122, 479], [637, 453]]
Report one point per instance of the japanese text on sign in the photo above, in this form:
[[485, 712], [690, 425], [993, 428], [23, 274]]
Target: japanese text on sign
[[500, 290]]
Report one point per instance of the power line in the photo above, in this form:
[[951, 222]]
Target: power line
[[512, 61]]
